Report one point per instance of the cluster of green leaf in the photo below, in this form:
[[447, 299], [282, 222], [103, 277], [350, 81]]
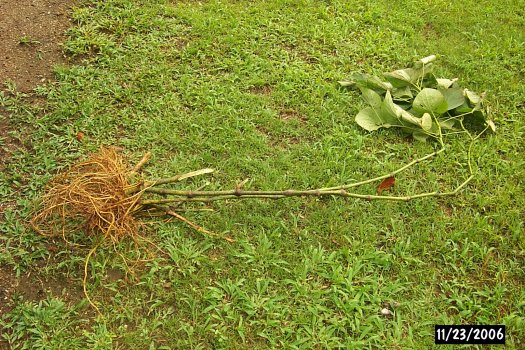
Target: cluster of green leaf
[[418, 102], [45, 325]]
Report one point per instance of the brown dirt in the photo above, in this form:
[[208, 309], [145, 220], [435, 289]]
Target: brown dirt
[[31, 32], [264, 90], [428, 30], [289, 114], [34, 288]]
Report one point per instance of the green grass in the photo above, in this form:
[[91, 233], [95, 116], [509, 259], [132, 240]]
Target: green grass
[[250, 88]]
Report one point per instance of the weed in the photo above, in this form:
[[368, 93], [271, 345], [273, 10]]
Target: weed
[[26, 40]]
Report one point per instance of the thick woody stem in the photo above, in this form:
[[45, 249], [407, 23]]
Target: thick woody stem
[[210, 196]]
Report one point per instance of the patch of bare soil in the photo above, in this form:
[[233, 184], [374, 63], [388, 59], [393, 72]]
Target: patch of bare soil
[[290, 114], [30, 35], [34, 288]]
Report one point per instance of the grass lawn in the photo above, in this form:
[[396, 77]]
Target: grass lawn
[[250, 88]]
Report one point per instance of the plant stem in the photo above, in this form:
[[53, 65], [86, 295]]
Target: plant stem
[[210, 196], [148, 184], [141, 163], [406, 166]]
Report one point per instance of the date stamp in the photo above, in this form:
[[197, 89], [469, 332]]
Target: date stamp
[[469, 334]]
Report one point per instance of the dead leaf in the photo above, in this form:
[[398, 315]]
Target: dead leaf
[[80, 135], [386, 184]]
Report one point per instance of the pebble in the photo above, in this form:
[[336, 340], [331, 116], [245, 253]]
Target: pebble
[[386, 312]]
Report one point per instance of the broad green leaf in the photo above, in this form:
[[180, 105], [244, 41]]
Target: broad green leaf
[[390, 111], [414, 112], [477, 107], [401, 74], [476, 101], [404, 77], [402, 94], [429, 81], [346, 83], [445, 83], [399, 78], [428, 59], [420, 136], [430, 101], [425, 62], [370, 119], [410, 118], [491, 125], [372, 98], [426, 122], [370, 81], [406, 105], [472, 96], [425, 68], [447, 124], [454, 97], [464, 108], [434, 129]]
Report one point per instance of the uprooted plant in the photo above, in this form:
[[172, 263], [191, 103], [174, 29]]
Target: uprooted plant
[[103, 195]]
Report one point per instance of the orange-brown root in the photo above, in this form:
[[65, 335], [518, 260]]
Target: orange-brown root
[[90, 195]]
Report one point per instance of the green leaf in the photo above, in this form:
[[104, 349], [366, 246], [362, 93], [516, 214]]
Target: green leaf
[[476, 101], [372, 98], [399, 78], [410, 118], [464, 108], [390, 111], [429, 81], [491, 125], [370, 81], [346, 83], [430, 101], [426, 122], [404, 77], [370, 119], [395, 114], [454, 97], [445, 83], [428, 59], [406, 105], [420, 136], [472, 96], [402, 94], [425, 62], [447, 124], [388, 106]]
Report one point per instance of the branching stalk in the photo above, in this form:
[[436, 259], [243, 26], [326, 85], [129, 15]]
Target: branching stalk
[[211, 196], [406, 166]]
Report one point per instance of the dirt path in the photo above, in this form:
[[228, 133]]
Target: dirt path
[[31, 32]]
